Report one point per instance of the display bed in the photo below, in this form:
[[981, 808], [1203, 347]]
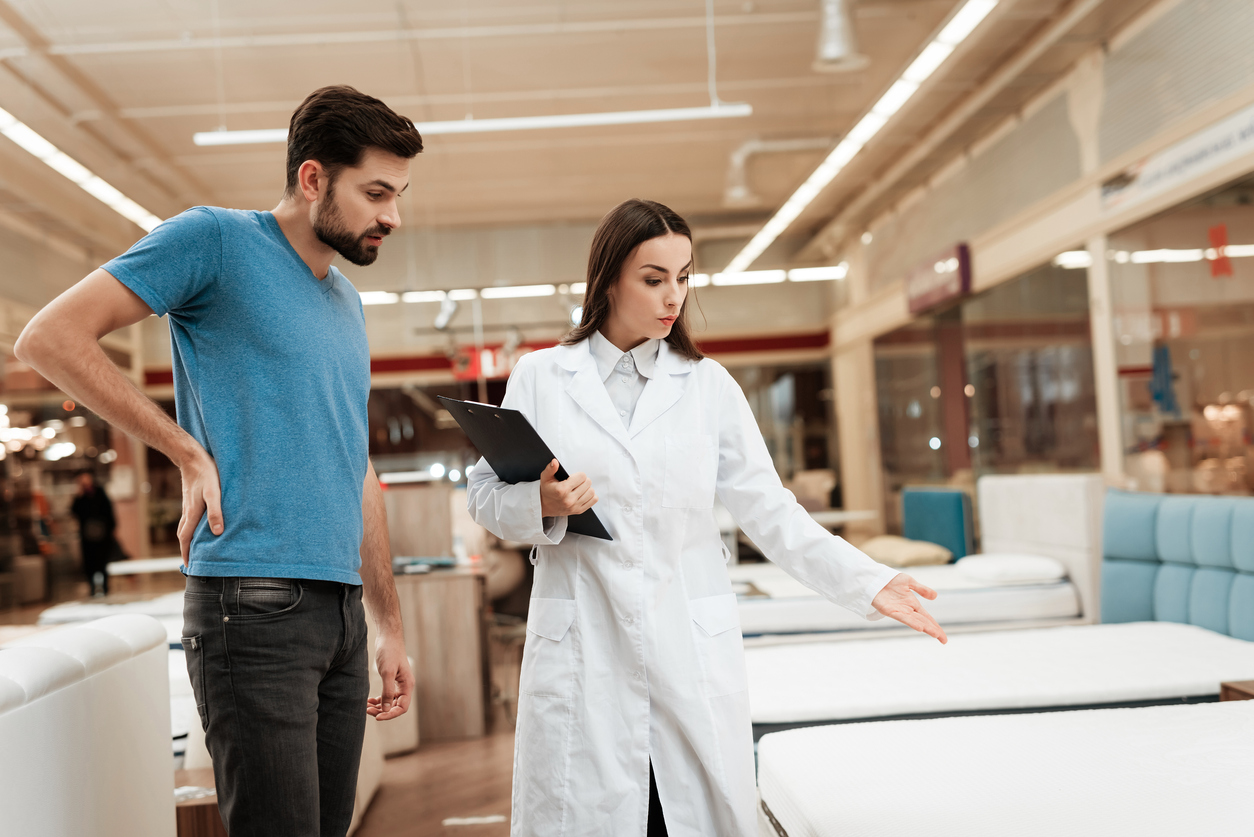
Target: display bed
[[990, 673], [1167, 770], [775, 605]]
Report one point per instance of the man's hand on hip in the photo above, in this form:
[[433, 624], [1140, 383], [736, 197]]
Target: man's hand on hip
[[398, 681], [202, 492]]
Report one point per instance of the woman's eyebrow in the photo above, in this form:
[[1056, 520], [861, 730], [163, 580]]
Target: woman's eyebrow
[[656, 267]]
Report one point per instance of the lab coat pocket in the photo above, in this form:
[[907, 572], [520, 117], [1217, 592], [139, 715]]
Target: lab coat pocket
[[718, 640], [691, 467], [548, 666]]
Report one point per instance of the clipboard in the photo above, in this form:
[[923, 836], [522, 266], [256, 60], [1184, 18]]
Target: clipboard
[[516, 452]]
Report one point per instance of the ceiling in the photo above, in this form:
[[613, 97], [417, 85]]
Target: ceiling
[[122, 86]]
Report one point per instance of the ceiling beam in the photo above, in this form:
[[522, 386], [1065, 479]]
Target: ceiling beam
[[36, 42], [829, 239], [447, 33]]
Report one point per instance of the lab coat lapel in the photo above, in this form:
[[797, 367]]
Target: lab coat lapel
[[588, 390], [670, 379]]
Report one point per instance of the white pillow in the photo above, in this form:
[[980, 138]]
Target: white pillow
[[1011, 569], [896, 551]]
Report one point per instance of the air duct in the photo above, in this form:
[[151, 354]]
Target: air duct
[[737, 193], [837, 49]]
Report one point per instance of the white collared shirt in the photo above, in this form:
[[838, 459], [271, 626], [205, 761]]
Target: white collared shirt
[[624, 373]]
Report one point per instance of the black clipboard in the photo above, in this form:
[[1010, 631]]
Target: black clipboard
[[516, 452]]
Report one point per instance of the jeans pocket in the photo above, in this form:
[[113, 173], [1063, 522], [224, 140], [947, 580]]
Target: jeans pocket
[[194, 651], [266, 596]]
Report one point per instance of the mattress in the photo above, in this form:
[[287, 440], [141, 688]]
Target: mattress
[[167, 609], [1080, 665], [1163, 771], [774, 603]]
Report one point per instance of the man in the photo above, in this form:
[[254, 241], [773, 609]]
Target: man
[[283, 520], [94, 512]]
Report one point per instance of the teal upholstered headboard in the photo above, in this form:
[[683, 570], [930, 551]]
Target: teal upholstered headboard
[[1179, 558]]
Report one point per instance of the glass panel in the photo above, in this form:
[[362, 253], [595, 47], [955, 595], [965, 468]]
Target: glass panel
[[1183, 290]]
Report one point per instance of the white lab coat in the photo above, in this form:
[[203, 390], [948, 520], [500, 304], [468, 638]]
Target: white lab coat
[[634, 649]]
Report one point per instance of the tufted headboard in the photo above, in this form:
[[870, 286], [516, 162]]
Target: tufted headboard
[[1178, 558]]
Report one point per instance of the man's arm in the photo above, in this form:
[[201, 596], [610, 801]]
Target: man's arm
[[380, 595], [62, 343]]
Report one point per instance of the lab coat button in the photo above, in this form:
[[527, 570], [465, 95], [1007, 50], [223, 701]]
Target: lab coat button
[[636, 674], [628, 620], [627, 509], [622, 412], [627, 565]]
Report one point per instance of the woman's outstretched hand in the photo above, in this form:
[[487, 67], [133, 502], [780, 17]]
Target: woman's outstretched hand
[[897, 601], [573, 495]]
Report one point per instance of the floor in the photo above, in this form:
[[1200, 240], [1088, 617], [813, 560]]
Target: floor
[[442, 781]]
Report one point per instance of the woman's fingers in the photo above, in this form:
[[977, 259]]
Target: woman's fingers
[[922, 589]]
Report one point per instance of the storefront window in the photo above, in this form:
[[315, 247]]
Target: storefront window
[[1183, 291], [1001, 382]]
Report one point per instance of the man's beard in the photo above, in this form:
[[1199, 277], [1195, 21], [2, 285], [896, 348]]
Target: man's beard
[[331, 230]]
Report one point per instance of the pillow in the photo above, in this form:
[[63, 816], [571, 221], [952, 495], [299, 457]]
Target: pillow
[[896, 551], [1011, 569]]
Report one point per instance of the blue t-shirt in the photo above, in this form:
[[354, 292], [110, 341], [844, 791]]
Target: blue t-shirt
[[271, 376]]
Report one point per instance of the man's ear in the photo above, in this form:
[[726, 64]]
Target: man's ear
[[312, 178]]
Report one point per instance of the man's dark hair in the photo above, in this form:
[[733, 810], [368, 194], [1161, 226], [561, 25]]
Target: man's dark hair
[[335, 125]]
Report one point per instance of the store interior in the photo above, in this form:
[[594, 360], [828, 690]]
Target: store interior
[[982, 269]]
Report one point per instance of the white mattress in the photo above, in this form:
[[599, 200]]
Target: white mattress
[[1163, 771], [1065, 666], [773, 602], [167, 609]]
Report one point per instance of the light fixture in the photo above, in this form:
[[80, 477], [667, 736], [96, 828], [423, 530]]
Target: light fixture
[[750, 277], [423, 296], [1073, 259], [454, 475], [65, 165], [378, 297], [934, 443], [436, 470], [516, 291], [818, 274], [448, 307], [463, 294], [401, 477], [933, 56], [576, 317], [1160, 256], [698, 280], [578, 287], [513, 123]]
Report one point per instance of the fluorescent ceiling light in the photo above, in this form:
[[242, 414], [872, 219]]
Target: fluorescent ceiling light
[[577, 288], [423, 296], [462, 294], [751, 277], [514, 291], [1238, 251], [378, 297], [698, 280], [401, 477], [513, 123], [818, 274], [1073, 259], [1159, 256], [22, 134], [933, 55]]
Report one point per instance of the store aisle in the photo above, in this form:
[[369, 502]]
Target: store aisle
[[448, 779]]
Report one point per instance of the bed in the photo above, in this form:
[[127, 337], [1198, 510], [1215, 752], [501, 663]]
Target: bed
[[1057, 516], [1178, 606], [1158, 772], [1137, 663]]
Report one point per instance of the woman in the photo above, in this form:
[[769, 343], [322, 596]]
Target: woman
[[634, 664]]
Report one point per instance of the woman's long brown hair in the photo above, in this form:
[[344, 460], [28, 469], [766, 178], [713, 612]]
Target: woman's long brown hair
[[620, 232]]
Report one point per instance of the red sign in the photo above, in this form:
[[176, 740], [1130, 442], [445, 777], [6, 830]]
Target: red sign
[[1220, 264], [493, 363], [942, 278]]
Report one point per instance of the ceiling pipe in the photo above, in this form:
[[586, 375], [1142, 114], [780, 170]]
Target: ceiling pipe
[[737, 193], [837, 48], [827, 241]]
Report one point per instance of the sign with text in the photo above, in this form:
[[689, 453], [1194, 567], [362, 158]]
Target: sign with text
[[942, 278]]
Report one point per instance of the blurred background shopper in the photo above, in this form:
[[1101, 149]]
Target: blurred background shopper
[[93, 510]]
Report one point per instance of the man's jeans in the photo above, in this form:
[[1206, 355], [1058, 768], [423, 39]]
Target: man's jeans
[[279, 669]]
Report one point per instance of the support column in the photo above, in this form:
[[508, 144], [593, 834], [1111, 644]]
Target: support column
[[1105, 366], [861, 468]]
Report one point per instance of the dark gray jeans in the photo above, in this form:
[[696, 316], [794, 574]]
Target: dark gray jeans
[[279, 669]]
